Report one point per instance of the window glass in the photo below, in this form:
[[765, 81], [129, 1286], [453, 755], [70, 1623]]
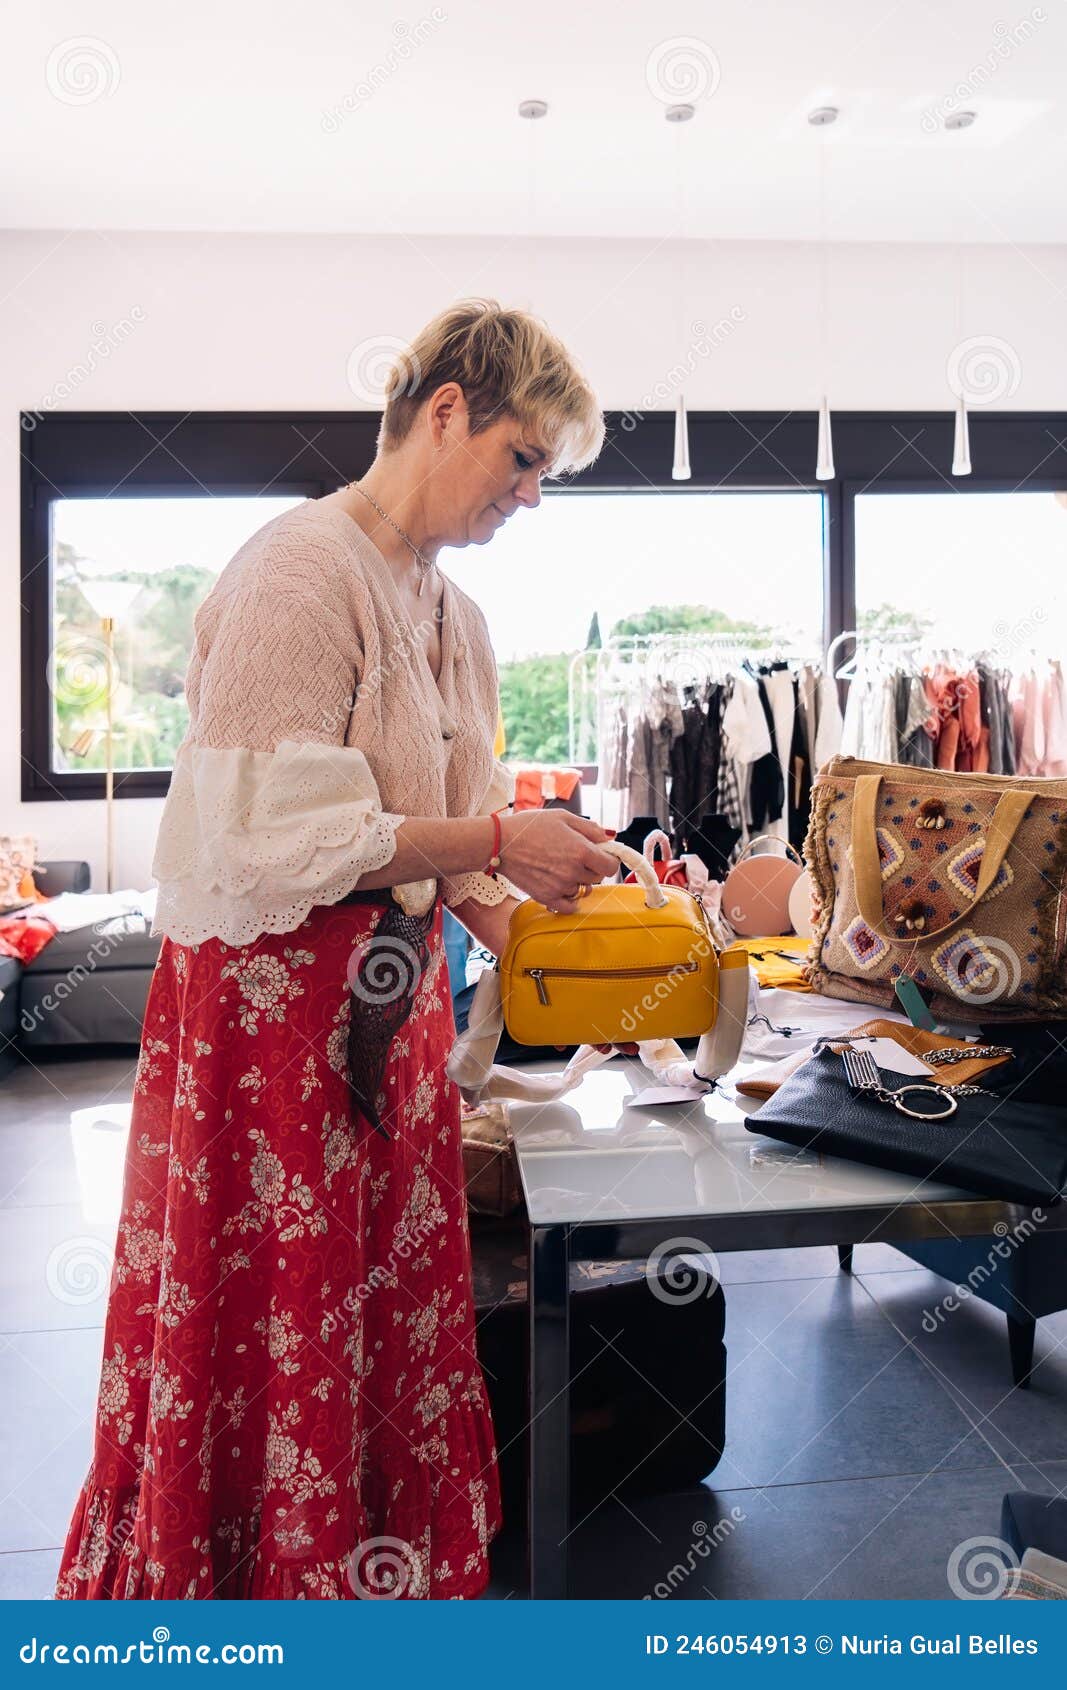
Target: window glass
[[978, 571], [148, 562], [637, 562]]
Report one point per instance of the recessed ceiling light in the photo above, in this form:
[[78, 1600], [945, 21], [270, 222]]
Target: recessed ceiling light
[[961, 119], [680, 113], [823, 115], [533, 108]]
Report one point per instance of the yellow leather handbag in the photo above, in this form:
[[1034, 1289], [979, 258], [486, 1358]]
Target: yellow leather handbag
[[634, 962]]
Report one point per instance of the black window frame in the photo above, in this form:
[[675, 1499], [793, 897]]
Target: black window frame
[[117, 454]]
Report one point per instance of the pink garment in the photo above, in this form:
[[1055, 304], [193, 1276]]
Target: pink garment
[[1029, 713], [969, 701], [1055, 719]]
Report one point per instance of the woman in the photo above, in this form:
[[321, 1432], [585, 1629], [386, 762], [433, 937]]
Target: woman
[[291, 1403]]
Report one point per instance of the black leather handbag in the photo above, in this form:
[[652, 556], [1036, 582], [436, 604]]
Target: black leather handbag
[[994, 1145]]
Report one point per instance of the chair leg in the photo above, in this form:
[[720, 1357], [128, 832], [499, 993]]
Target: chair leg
[[1021, 1344], [844, 1257]]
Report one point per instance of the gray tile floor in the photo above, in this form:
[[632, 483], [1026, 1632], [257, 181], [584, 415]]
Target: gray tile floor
[[862, 1450]]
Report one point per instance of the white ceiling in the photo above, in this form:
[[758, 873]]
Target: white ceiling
[[332, 115]]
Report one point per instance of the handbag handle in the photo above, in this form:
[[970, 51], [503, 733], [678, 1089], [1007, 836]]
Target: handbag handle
[[769, 839], [657, 842], [642, 870], [1011, 808]]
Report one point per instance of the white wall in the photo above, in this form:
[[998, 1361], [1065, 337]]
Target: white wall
[[247, 322]]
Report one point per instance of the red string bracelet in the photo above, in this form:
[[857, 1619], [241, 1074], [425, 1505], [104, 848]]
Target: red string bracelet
[[494, 861]]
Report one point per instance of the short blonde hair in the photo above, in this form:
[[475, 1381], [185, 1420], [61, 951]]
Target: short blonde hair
[[508, 364]]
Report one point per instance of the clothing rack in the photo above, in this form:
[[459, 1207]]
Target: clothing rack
[[684, 658]]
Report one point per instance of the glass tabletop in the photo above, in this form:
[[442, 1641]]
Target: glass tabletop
[[594, 1156]]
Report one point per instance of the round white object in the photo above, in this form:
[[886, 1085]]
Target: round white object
[[800, 905]]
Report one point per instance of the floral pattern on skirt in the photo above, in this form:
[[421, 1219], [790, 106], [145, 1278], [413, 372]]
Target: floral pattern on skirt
[[290, 1403]]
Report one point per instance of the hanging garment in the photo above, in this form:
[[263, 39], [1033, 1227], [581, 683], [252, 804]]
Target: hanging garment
[[728, 788], [996, 718], [1055, 722], [642, 799], [829, 723], [856, 709], [1029, 716], [914, 742], [766, 791], [808, 705], [969, 711], [798, 795], [686, 798], [781, 691], [613, 753]]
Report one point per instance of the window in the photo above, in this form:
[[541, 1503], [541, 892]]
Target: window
[[640, 561], [160, 501], [979, 571], [148, 562]]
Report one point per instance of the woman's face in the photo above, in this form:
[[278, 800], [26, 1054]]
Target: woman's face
[[484, 477]]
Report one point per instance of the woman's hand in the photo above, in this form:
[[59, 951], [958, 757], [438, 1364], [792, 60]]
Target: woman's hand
[[550, 853]]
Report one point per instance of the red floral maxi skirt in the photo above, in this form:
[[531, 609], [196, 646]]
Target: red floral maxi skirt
[[290, 1404]]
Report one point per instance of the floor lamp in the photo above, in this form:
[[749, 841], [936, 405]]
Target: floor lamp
[[110, 600]]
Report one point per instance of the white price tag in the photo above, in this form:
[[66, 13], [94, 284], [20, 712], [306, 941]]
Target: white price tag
[[893, 1057]]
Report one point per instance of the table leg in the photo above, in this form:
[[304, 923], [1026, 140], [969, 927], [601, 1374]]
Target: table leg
[[548, 1495]]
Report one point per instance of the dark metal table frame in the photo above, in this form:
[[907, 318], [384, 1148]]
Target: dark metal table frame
[[554, 1247]]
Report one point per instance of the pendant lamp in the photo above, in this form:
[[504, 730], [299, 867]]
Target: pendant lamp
[[961, 444], [680, 470], [824, 468]]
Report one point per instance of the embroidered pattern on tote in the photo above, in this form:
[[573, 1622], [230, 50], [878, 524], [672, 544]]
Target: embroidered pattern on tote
[[890, 853], [866, 948], [964, 869], [967, 964]]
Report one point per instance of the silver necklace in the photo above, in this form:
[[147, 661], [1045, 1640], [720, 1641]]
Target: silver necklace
[[425, 564]]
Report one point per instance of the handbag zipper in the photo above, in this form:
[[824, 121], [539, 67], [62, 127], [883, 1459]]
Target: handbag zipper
[[537, 975]]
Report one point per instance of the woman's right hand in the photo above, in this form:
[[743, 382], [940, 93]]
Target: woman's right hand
[[549, 853]]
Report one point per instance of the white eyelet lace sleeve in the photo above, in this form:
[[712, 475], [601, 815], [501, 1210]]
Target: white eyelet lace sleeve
[[250, 841], [483, 888]]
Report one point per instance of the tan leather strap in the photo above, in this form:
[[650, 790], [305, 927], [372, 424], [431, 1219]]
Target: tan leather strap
[[1011, 808]]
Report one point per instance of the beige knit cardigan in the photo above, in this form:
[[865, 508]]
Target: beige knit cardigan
[[315, 727]]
